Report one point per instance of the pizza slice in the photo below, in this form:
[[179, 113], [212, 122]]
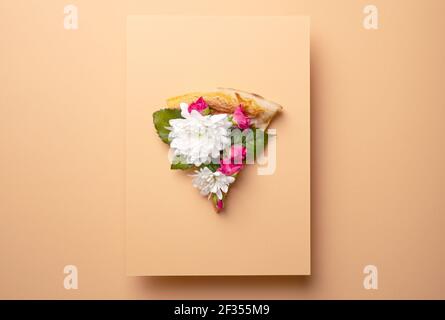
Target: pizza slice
[[215, 134]]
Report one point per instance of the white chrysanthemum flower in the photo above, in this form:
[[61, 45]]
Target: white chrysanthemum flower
[[209, 182], [199, 139]]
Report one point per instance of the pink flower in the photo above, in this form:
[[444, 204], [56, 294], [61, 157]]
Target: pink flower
[[233, 164], [230, 169], [199, 105], [219, 205], [237, 153], [241, 118]]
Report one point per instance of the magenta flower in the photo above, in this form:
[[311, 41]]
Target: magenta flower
[[233, 164], [241, 118], [237, 154], [199, 105], [229, 168], [219, 205]]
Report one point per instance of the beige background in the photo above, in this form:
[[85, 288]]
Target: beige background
[[377, 151], [265, 227]]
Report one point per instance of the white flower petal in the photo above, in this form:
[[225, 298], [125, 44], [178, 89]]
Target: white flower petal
[[209, 182], [184, 109], [218, 117], [199, 139]]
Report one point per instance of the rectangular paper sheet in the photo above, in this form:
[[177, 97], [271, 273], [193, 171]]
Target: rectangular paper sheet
[[171, 229]]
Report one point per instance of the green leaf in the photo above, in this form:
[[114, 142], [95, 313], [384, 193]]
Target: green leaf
[[181, 166], [206, 111], [212, 166], [257, 140], [161, 120], [179, 163]]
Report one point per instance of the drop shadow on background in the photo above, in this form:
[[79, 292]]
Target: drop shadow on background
[[199, 284]]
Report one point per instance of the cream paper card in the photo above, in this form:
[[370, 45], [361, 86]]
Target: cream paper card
[[171, 229]]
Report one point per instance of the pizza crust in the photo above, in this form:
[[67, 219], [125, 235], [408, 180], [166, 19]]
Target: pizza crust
[[225, 100]]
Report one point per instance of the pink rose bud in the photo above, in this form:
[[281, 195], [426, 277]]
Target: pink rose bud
[[199, 105], [230, 169], [233, 164], [219, 205], [238, 153], [241, 118]]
